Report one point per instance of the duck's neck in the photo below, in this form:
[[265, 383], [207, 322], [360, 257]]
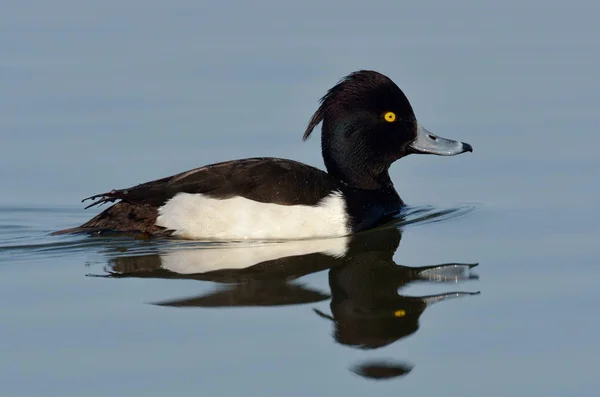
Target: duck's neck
[[363, 175], [353, 165], [357, 175]]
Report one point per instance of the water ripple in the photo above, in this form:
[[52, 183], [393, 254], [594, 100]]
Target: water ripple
[[24, 232]]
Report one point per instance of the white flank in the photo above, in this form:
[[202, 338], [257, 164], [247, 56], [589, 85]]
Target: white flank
[[195, 261], [196, 216]]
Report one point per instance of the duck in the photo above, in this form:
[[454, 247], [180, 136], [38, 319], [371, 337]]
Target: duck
[[367, 124]]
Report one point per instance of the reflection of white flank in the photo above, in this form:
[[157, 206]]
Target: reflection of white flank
[[191, 261]]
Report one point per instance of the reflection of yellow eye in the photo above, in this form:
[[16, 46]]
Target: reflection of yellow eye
[[399, 313], [390, 117]]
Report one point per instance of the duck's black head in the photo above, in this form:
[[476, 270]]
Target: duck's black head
[[368, 123]]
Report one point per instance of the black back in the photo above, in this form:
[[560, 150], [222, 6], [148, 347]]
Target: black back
[[265, 179]]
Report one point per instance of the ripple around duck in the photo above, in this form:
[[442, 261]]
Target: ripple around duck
[[31, 239], [422, 215]]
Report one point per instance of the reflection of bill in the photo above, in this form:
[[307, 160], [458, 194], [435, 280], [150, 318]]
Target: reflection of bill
[[366, 309]]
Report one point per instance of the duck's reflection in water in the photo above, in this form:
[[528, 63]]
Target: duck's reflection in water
[[367, 312]]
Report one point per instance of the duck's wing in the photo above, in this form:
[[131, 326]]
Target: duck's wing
[[266, 179]]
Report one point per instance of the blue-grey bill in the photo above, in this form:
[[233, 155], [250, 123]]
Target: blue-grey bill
[[429, 143]]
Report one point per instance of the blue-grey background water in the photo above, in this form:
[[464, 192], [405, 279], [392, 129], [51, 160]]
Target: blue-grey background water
[[104, 95]]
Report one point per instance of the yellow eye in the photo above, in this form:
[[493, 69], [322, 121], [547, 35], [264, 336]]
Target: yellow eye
[[390, 117], [399, 313]]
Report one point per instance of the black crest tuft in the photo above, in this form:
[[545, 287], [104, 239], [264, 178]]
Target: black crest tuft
[[349, 89]]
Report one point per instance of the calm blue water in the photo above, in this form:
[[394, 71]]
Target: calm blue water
[[103, 96]]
